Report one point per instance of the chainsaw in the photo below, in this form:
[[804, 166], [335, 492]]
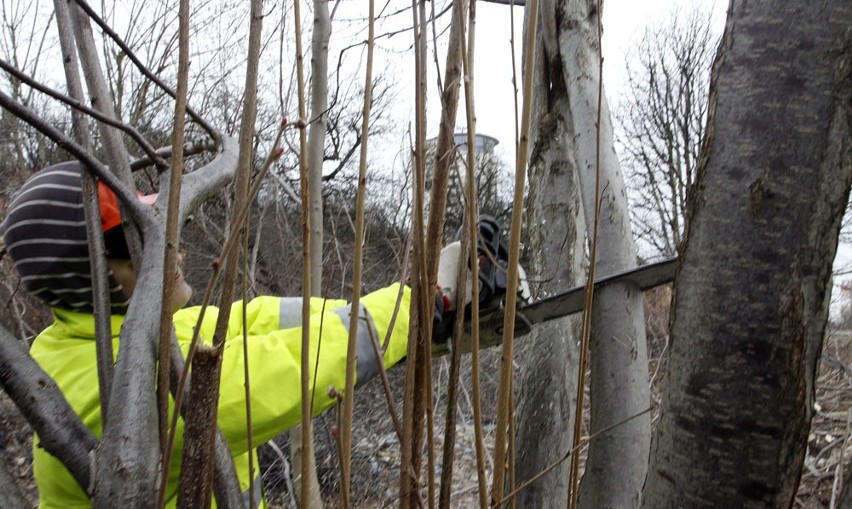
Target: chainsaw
[[493, 256]]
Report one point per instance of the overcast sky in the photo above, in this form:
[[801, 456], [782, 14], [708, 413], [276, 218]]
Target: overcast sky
[[624, 22]]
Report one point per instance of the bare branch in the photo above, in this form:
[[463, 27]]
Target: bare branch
[[189, 149], [217, 138], [140, 213], [60, 431], [77, 105], [91, 206]]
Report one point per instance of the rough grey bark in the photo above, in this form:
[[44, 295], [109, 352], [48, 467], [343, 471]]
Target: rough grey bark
[[547, 381], [751, 296], [130, 458], [617, 459], [36, 395]]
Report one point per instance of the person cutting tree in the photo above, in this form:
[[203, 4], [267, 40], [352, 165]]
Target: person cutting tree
[[45, 236]]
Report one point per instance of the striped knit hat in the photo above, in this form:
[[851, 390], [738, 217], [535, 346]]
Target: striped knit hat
[[45, 235]]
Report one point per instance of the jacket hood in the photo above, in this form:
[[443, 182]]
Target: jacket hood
[[45, 235]]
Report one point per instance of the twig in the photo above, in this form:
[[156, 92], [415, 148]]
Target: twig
[[397, 425], [170, 245], [467, 53], [246, 367], [419, 317], [189, 149], [307, 445], [213, 133], [358, 260], [288, 477], [377, 349], [79, 106], [505, 388], [91, 206]]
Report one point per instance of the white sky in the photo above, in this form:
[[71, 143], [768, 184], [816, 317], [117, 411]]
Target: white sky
[[624, 22]]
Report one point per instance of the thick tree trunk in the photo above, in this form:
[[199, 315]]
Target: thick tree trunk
[[617, 459], [548, 357], [751, 297]]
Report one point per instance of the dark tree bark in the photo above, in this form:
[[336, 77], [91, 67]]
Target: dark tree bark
[[38, 398], [751, 297], [196, 481]]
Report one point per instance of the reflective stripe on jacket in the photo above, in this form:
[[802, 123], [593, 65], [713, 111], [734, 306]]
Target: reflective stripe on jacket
[[66, 351]]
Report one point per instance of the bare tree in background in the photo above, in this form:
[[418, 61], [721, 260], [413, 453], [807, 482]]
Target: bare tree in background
[[25, 37], [661, 122], [493, 182]]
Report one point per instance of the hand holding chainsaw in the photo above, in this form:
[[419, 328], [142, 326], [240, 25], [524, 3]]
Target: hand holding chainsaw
[[493, 260]]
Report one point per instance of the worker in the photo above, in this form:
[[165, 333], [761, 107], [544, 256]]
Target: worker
[[45, 235]]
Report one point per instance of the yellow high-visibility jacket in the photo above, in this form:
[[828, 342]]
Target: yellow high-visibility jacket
[[66, 351]]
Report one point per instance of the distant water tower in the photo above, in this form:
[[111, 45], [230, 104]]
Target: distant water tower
[[486, 166], [481, 142]]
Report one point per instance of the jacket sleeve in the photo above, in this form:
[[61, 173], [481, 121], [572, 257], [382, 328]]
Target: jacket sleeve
[[274, 359]]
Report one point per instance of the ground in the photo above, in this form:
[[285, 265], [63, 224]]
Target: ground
[[16, 441]]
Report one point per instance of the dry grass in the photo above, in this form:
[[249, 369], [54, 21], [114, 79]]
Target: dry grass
[[830, 439]]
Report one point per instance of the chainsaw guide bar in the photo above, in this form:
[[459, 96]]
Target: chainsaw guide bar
[[559, 305]]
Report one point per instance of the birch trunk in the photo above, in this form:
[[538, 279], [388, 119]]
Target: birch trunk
[[548, 357], [617, 459], [751, 297]]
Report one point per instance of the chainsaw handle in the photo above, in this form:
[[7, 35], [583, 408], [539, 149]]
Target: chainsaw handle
[[493, 260]]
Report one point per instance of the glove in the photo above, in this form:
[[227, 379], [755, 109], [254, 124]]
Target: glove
[[448, 274], [492, 279], [445, 297]]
